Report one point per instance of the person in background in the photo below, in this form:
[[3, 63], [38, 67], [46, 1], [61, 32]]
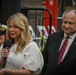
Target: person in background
[[53, 48], [2, 34], [24, 57], [2, 37]]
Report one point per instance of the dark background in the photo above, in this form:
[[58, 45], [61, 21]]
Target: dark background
[[8, 8]]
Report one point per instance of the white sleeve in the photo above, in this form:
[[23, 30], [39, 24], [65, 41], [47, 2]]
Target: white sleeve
[[33, 59]]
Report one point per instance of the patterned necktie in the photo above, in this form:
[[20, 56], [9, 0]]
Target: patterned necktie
[[62, 50]]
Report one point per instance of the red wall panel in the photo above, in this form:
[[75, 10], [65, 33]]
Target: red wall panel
[[51, 5]]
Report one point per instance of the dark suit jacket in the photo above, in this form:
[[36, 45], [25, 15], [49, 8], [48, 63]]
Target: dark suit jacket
[[50, 54]]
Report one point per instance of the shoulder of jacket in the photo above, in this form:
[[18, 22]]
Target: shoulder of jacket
[[55, 35]]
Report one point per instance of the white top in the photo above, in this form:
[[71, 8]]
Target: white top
[[31, 58]]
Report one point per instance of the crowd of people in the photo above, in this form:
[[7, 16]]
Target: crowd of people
[[24, 56]]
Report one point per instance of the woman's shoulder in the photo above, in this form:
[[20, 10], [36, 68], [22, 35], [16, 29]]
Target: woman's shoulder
[[32, 45]]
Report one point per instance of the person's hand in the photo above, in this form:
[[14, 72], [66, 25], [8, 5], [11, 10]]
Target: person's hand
[[4, 53], [6, 72], [1, 72]]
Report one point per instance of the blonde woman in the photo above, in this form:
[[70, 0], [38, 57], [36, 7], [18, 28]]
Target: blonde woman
[[24, 57]]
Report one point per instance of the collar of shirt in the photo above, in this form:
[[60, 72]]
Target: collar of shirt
[[71, 37]]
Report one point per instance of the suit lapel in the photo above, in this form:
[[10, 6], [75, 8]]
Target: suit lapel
[[58, 45]]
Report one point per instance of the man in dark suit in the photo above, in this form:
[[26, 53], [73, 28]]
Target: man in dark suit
[[54, 43]]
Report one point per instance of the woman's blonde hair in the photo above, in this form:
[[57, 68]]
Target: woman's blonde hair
[[21, 22]]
